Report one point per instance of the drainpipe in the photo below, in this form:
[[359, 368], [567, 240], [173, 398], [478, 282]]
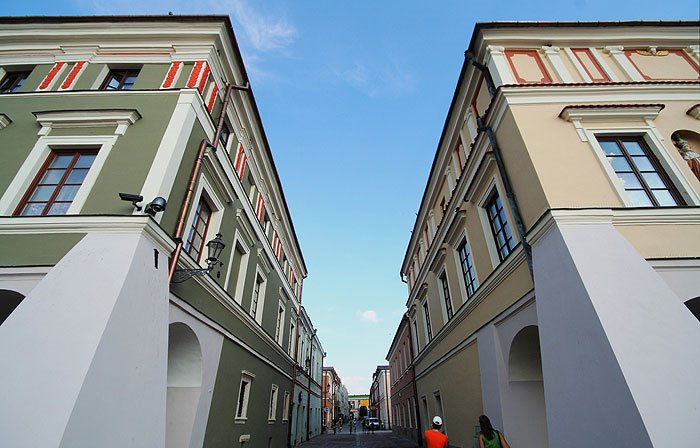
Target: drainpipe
[[419, 435], [187, 201], [510, 194], [308, 393]]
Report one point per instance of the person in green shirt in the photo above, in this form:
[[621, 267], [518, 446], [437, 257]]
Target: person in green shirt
[[489, 437]]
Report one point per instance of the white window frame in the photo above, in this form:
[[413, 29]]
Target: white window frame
[[260, 305], [272, 411], [279, 325], [292, 337], [426, 318], [441, 293], [242, 271], [414, 326], [285, 405], [494, 185], [241, 415], [38, 156], [458, 262], [651, 138], [205, 189]]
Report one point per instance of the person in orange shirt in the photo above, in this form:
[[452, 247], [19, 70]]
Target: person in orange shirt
[[434, 438]]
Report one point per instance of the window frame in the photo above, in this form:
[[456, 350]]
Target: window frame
[[259, 295], [279, 326], [653, 160], [445, 296], [204, 188], [53, 154], [495, 197], [426, 321], [241, 415], [470, 283], [272, 411], [37, 158], [109, 76], [194, 228], [285, 406], [239, 276], [14, 87]]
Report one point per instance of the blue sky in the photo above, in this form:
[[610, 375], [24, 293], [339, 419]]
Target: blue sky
[[353, 96]]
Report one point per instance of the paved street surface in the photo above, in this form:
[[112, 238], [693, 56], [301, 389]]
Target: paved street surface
[[380, 439]]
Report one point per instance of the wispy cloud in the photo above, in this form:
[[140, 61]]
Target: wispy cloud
[[386, 78], [264, 32], [369, 316]]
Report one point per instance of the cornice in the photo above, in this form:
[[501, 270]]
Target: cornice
[[607, 112], [62, 119], [36, 225], [614, 216]]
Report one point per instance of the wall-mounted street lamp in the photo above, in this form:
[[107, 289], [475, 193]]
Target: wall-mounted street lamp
[[215, 247]]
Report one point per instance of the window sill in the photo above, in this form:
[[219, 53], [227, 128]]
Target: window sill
[[271, 422], [240, 420]]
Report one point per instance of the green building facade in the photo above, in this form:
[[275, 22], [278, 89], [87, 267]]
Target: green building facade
[[125, 348]]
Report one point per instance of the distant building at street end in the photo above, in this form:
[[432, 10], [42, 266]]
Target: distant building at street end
[[357, 402], [404, 406], [553, 268], [331, 396], [380, 396]]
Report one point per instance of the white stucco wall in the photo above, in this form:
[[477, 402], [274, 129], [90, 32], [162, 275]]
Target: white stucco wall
[[619, 349], [88, 350]]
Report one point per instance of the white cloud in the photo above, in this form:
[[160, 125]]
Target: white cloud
[[264, 33], [386, 78], [369, 316]]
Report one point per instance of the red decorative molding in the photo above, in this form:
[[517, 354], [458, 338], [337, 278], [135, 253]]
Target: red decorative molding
[[170, 76], [48, 79], [194, 76], [603, 77], [212, 97], [68, 82], [546, 79], [203, 79], [680, 53]]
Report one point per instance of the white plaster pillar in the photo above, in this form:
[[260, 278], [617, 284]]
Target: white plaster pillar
[[620, 351], [161, 176], [85, 353], [552, 53], [498, 66], [618, 54]]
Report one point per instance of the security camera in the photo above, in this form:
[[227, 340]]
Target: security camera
[[156, 206], [133, 198]]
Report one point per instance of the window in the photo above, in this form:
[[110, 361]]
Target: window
[[446, 295], [278, 326], [499, 226], [13, 81], [225, 134], [415, 335], [428, 329], [645, 183], [285, 410], [198, 229], [468, 272], [271, 415], [291, 339], [120, 79], [54, 188], [256, 296], [244, 395], [425, 409]]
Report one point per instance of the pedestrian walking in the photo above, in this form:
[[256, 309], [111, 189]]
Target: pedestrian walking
[[434, 438], [489, 437]]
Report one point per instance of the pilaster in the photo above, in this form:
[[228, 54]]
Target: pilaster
[[618, 54]]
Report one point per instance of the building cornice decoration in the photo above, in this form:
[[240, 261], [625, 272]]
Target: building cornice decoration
[[4, 121], [578, 114], [694, 111], [120, 118]]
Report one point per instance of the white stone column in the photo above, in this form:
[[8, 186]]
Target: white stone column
[[619, 56], [552, 53], [620, 351], [85, 354], [498, 66]]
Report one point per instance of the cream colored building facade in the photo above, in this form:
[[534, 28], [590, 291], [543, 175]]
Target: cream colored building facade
[[553, 269]]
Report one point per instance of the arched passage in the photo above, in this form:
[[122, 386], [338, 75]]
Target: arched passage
[[526, 390], [694, 307], [184, 384], [9, 300]]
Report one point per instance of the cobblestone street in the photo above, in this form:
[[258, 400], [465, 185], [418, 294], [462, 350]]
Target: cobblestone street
[[380, 439]]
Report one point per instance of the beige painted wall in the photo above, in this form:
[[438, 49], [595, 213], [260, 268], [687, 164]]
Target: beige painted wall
[[459, 384]]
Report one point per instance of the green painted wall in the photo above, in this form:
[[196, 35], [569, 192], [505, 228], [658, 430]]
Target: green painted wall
[[21, 250], [221, 427]]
